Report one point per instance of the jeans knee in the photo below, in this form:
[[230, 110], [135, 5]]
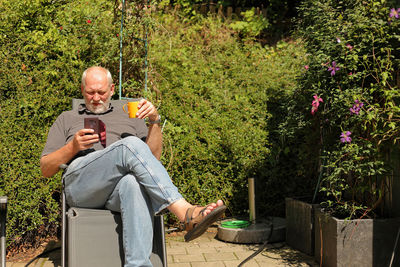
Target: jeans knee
[[133, 141], [129, 184]]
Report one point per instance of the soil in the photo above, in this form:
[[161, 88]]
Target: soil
[[24, 254]]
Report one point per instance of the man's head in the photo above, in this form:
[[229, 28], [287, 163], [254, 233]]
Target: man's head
[[97, 88]]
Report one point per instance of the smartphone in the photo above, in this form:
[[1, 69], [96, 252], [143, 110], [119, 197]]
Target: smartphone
[[92, 123]]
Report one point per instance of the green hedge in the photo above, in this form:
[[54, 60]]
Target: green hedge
[[215, 93], [44, 47]]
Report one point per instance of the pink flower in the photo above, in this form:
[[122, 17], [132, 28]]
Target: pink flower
[[356, 107], [394, 13], [349, 46], [333, 68], [345, 137], [306, 67], [315, 104], [89, 21]]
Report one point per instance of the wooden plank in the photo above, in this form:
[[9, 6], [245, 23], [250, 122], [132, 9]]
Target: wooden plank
[[229, 12], [213, 7]]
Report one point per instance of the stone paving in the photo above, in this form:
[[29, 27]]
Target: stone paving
[[207, 251]]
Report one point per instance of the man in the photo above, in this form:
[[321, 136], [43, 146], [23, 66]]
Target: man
[[121, 174]]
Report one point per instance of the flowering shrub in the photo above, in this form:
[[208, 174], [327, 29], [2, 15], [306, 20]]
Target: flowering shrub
[[353, 65]]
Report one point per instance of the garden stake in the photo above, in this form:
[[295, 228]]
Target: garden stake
[[318, 182]]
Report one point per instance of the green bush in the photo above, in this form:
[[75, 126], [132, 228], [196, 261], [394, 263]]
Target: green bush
[[44, 47], [268, 27], [214, 96]]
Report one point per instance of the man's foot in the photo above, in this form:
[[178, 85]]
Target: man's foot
[[198, 219]]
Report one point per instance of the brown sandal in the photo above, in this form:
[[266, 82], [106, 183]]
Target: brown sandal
[[198, 225]]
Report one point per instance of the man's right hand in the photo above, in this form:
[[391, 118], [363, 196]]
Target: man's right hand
[[84, 139]]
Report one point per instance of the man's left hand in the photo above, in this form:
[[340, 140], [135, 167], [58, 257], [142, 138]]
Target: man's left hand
[[147, 110]]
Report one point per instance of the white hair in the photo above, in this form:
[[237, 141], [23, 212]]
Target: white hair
[[109, 77]]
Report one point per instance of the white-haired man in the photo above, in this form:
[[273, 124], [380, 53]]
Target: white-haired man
[[121, 174]]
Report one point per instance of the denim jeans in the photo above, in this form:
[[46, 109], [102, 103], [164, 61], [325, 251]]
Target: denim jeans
[[127, 178]]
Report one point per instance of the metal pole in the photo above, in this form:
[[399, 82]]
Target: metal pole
[[120, 49], [252, 201], [3, 217]]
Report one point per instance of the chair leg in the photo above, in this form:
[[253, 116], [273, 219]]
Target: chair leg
[[3, 216], [159, 246], [63, 229]]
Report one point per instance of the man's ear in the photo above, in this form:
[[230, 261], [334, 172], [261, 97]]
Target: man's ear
[[112, 89]]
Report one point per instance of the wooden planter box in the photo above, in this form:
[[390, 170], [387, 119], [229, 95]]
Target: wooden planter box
[[300, 224], [363, 242]]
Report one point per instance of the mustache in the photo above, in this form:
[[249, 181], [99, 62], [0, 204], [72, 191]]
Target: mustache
[[99, 102]]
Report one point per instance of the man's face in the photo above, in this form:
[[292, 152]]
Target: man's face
[[97, 92]]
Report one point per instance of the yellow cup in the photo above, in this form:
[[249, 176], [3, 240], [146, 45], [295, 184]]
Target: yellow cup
[[132, 108]]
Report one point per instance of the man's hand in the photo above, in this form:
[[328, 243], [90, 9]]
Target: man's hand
[[147, 110], [84, 139]]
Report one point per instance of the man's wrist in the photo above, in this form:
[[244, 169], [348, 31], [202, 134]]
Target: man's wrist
[[156, 121]]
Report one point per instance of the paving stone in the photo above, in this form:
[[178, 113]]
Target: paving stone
[[232, 249], [268, 260], [204, 238], [187, 258], [214, 243], [50, 264], [169, 258], [16, 264], [188, 246], [220, 256], [183, 264], [245, 254], [202, 250], [176, 250], [209, 264], [250, 263], [41, 262]]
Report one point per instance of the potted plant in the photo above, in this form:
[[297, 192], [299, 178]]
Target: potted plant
[[352, 80]]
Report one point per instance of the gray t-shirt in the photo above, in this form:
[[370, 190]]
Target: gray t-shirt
[[116, 123]]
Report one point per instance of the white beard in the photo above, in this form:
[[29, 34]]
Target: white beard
[[101, 108]]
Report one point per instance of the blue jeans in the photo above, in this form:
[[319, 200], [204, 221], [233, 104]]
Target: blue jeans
[[127, 178]]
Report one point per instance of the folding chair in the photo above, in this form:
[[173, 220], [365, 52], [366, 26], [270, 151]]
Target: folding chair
[[93, 237]]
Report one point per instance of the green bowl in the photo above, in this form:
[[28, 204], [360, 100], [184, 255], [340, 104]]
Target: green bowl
[[235, 224]]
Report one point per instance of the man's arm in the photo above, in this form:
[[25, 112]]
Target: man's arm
[[154, 140], [154, 136], [50, 163]]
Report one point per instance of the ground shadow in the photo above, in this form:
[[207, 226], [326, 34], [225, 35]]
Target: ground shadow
[[281, 251]]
